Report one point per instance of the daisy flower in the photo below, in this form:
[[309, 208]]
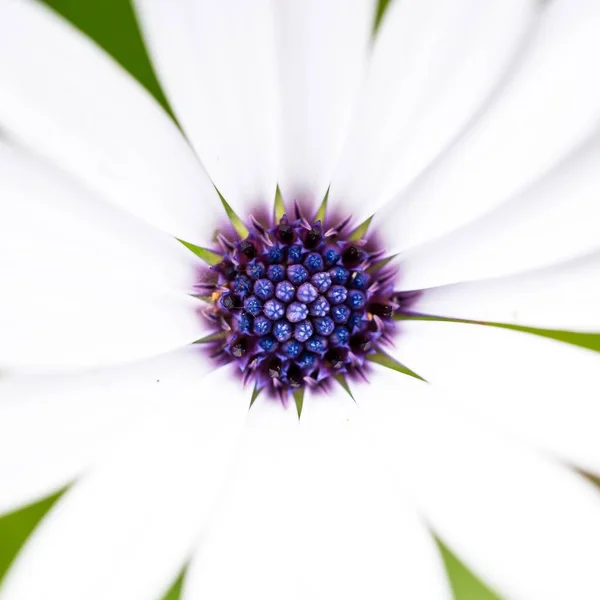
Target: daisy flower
[[337, 214]]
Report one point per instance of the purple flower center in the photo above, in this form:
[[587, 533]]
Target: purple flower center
[[295, 304]]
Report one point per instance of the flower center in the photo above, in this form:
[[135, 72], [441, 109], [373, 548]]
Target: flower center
[[295, 304]]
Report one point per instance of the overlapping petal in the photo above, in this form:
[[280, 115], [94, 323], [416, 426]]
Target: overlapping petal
[[216, 61], [434, 65], [53, 427], [529, 526], [562, 297], [84, 283], [540, 390], [138, 514], [549, 106], [553, 221], [63, 97], [322, 48], [310, 513]]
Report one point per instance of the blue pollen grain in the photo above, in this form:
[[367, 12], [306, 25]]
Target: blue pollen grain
[[296, 303]]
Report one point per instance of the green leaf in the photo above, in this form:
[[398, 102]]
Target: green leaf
[[585, 340], [391, 363], [361, 230], [279, 206], [344, 383], [212, 337], [380, 264], [175, 592], [16, 527], [322, 211], [299, 400], [255, 393], [208, 256], [465, 584], [237, 223], [112, 24]]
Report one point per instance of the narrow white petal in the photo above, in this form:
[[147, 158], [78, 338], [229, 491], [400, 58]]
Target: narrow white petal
[[549, 106], [311, 513], [553, 221], [434, 65], [539, 390], [561, 297], [335, 407], [84, 283], [216, 62], [528, 526], [57, 323], [125, 530], [52, 427], [64, 97], [50, 222], [321, 51]]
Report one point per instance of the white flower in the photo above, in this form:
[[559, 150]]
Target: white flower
[[470, 129]]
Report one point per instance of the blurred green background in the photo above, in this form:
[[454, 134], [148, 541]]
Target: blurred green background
[[111, 24]]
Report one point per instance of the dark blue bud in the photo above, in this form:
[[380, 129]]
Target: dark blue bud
[[314, 262], [297, 274], [320, 307], [285, 291], [296, 312], [340, 314], [264, 289], [324, 326], [307, 293], [331, 256], [339, 275], [274, 309], [340, 336], [337, 294], [242, 285], [255, 270], [244, 323], [307, 361], [253, 305], [303, 331], [267, 343], [262, 325], [317, 344], [276, 273], [294, 254], [359, 280], [356, 299], [292, 348], [321, 281], [282, 330]]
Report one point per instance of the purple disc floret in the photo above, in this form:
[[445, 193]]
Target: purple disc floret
[[296, 303]]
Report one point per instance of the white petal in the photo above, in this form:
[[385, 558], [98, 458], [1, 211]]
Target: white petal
[[539, 390], [561, 297], [310, 513], [553, 221], [125, 530], [549, 106], [58, 324], [336, 407], [216, 63], [47, 217], [434, 65], [52, 427], [529, 527], [321, 50], [84, 283], [65, 98]]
